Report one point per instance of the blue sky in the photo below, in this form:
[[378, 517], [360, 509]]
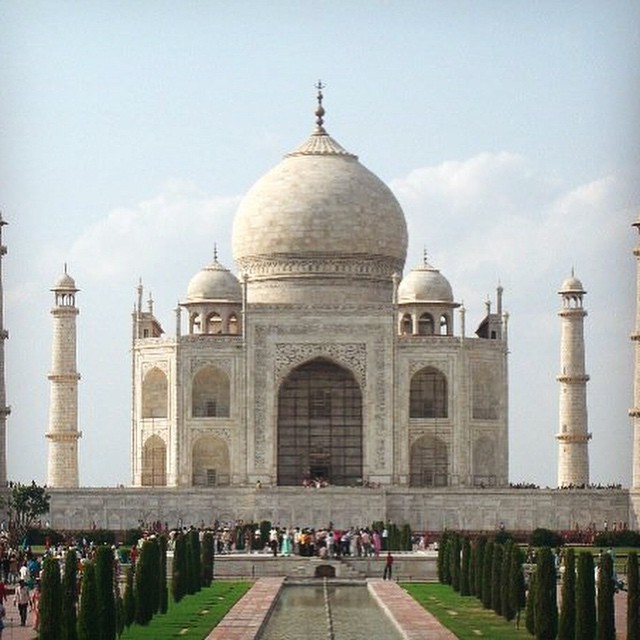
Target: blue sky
[[509, 131]]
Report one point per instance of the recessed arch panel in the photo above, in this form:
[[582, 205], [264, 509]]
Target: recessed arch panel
[[429, 462], [154, 394], [428, 395]]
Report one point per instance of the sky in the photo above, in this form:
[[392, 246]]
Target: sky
[[508, 130]]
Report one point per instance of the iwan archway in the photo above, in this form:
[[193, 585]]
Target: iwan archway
[[320, 425]]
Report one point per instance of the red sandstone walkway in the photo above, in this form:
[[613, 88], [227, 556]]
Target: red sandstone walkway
[[414, 622], [245, 619]]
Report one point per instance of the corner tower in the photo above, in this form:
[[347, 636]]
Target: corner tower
[[63, 405], [573, 438], [635, 411], [4, 409]]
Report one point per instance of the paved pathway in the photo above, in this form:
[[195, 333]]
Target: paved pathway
[[247, 616], [414, 622], [12, 628]]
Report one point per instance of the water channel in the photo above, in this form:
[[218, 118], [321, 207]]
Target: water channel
[[335, 612]]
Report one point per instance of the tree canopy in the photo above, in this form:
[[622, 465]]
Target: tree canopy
[[26, 503]]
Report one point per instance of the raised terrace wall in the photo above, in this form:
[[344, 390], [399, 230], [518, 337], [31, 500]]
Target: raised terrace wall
[[428, 510]]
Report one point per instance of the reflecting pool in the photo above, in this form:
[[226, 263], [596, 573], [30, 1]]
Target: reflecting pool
[[316, 611]]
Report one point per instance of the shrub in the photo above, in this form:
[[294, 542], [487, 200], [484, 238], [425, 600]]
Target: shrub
[[624, 538], [545, 538]]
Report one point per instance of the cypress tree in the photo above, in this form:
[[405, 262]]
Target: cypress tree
[[153, 556], [530, 612], [207, 559], [465, 589], [517, 589], [473, 552], [68, 627], [106, 610], [163, 588], [585, 598], [129, 603], [405, 537], [455, 562], [442, 557], [567, 619], [50, 600], [633, 598], [487, 566], [119, 614], [480, 545], [87, 619], [546, 606], [179, 569], [446, 563], [606, 625], [506, 608], [496, 575], [194, 566], [145, 585]]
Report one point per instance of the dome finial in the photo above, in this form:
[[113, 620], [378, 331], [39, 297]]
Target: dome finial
[[320, 109], [215, 252], [425, 256]]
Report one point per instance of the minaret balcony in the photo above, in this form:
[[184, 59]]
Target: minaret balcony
[[573, 437], [569, 379]]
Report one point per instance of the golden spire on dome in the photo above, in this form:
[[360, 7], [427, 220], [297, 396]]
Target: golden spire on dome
[[320, 109], [320, 143]]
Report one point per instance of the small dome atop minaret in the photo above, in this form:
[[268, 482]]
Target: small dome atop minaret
[[65, 282], [572, 285]]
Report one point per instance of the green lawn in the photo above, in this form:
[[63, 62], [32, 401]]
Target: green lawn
[[464, 615], [194, 616]]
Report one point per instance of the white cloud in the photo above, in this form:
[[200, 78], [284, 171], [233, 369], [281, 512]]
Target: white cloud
[[180, 225]]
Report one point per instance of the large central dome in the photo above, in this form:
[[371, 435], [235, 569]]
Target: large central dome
[[320, 224]]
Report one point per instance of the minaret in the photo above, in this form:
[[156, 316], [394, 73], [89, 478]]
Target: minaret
[[635, 412], [573, 438], [63, 408], [4, 409]]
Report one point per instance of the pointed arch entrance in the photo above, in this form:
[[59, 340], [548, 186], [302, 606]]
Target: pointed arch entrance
[[320, 425]]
